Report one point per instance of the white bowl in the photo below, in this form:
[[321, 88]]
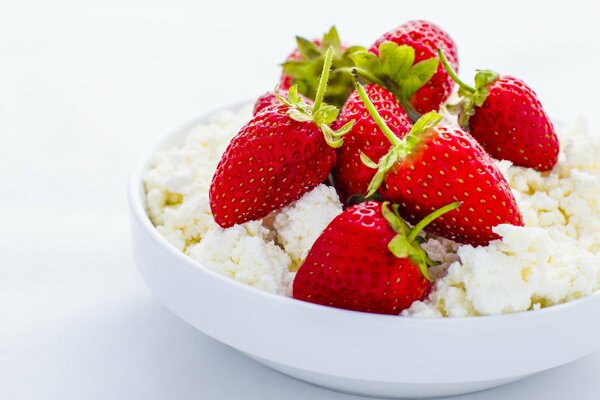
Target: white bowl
[[376, 355]]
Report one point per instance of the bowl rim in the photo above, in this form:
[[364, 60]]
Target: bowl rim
[[136, 193]]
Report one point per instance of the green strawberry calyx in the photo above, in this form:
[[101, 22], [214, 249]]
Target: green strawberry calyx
[[400, 147], [304, 72], [320, 113], [407, 243], [396, 70], [470, 97]]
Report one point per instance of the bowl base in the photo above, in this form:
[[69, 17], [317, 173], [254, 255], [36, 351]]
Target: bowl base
[[398, 390]]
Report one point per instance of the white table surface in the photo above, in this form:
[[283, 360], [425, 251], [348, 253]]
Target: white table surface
[[87, 87]]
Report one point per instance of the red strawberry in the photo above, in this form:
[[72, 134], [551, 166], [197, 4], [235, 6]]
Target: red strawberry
[[304, 65], [433, 165], [351, 176], [425, 87], [269, 99], [367, 259], [283, 152], [506, 117]]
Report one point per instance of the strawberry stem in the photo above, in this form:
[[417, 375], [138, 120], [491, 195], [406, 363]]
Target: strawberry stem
[[323, 79], [369, 77], [430, 218], [452, 74], [387, 132]]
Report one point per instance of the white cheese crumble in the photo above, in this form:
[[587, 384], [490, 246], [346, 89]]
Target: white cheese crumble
[[300, 224], [245, 253], [553, 259]]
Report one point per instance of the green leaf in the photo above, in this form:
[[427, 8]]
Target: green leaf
[[479, 98], [386, 163], [306, 71], [366, 60], [393, 219], [408, 86], [422, 260], [375, 182], [367, 161], [280, 98], [400, 247], [332, 39], [424, 123], [296, 69], [344, 129], [395, 60], [484, 78], [395, 69], [404, 59], [326, 114], [298, 115], [307, 48], [354, 49], [424, 70], [293, 96], [389, 160], [332, 141]]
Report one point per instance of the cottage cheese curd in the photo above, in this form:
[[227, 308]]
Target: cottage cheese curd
[[553, 259]]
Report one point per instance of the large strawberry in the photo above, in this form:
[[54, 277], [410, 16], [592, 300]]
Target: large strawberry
[[436, 164], [303, 67], [283, 152], [367, 259], [351, 176], [422, 87], [506, 117], [270, 99]]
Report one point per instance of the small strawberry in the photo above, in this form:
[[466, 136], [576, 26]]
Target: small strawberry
[[423, 86], [270, 99], [435, 164], [350, 175], [283, 152], [506, 117], [304, 65], [367, 259]]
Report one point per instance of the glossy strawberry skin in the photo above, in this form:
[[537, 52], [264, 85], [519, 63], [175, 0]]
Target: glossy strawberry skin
[[270, 163], [351, 267], [351, 176], [512, 125], [268, 99], [426, 38], [449, 165]]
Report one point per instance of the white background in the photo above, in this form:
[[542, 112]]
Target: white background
[[87, 87]]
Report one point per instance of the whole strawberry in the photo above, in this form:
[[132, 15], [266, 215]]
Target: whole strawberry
[[367, 259], [351, 176], [506, 117], [303, 67], [410, 68], [270, 99], [283, 152], [435, 164]]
